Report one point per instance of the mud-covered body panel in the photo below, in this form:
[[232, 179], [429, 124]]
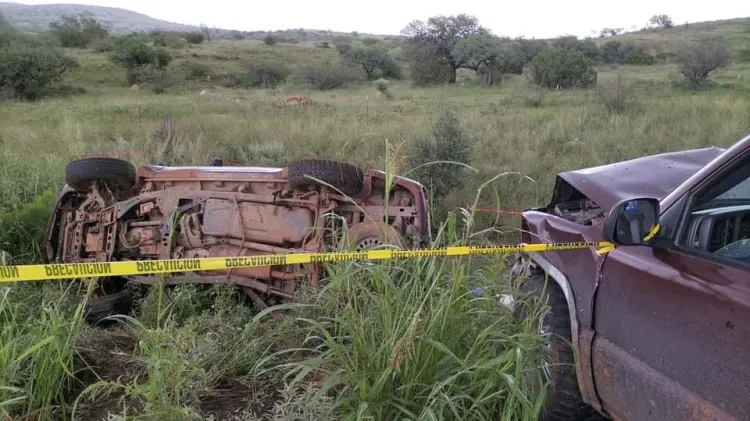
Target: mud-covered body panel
[[656, 327], [211, 211]]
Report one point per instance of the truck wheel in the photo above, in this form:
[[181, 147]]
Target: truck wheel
[[344, 177], [99, 308], [564, 401], [373, 235], [81, 173]]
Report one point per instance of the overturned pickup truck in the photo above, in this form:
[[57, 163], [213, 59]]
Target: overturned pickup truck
[[659, 325], [109, 211]]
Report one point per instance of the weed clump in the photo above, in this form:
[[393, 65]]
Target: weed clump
[[616, 96]]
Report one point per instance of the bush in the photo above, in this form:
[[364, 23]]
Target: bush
[[429, 69], [104, 45], [562, 67], [325, 77], [639, 58], [241, 80], [376, 62], [343, 48], [155, 77], [29, 71], [370, 41], [78, 31], [197, 71], [698, 59], [587, 47], [133, 53], [616, 96], [267, 74], [448, 142], [195, 38], [610, 52], [269, 40], [381, 85]]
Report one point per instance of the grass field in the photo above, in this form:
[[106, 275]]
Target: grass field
[[379, 342]]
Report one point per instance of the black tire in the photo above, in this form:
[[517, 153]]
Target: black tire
[[81, 173], [564, 401], [97, 309], [344, 177]]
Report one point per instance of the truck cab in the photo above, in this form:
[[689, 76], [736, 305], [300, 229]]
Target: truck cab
[[656, 326]]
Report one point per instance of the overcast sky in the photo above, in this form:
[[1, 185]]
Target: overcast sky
[[530, 18]]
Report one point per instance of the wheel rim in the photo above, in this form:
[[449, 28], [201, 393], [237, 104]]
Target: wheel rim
[[369, 243]]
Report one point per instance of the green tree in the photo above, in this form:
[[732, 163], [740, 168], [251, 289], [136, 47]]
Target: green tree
[[698, 59], [438, 37], [558, 67], [587, 47], [662, 21], [133, 53], [78, 31], [28, 71], [375, 61]]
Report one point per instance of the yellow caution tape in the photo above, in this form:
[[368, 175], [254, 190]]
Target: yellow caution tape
[[144, 267]]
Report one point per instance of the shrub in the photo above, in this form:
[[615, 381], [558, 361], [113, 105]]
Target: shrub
[[269, 40], [29, 71], [325, 77], [610, 52], [375, 62], [155, 77], [698, 59], [430, 69], [381, 85], [195, 38], [616, 96], [324, 44], [267, 74], [640, 58], [241, 80], [563, 68], [370, 41], [77, 31], [343, 48], [133, 53], [587, 47], [448, 142], [197, 71], [104, 45]]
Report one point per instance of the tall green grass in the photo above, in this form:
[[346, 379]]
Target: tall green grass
[[37, 350]]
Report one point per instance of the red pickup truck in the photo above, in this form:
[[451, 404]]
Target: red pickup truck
[[658, 328]]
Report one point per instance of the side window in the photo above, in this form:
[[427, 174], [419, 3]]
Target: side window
[[718, 221]]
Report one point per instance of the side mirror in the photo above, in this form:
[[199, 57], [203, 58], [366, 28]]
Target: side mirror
[[630, 221]]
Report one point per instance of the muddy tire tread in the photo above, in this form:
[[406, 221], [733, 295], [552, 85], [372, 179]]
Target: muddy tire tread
[[80, 173], [564, 401]]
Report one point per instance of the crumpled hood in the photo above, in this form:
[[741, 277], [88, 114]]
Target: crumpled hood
[[654, 176]]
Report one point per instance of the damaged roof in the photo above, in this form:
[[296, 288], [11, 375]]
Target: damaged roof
[[654, 176]]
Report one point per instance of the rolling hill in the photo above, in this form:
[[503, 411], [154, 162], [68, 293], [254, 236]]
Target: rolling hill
[[36, 18], [119, 21]]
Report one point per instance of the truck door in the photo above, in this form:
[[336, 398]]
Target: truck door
[[672, 323]]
